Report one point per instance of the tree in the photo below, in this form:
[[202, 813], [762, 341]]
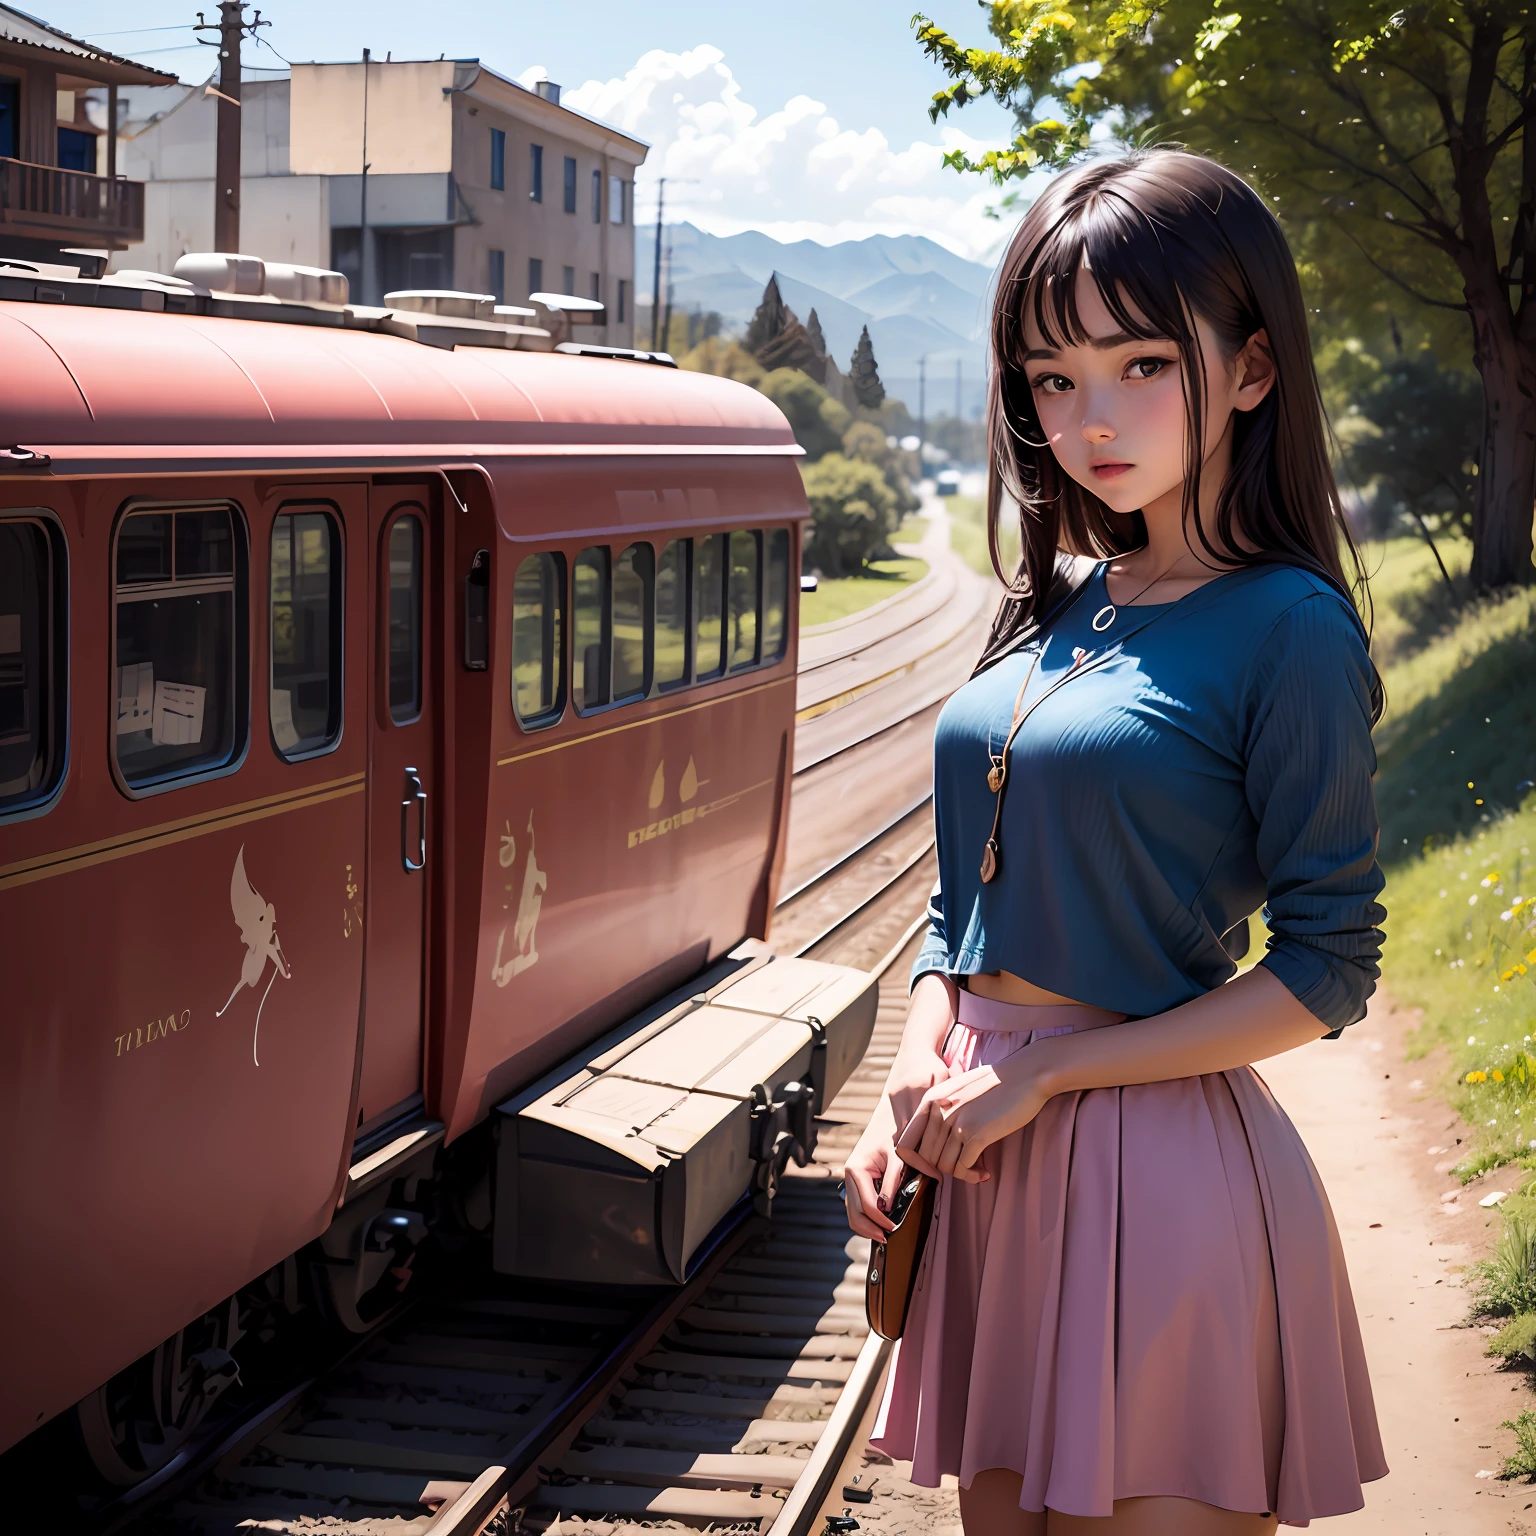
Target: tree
[[865, 441], [1392, 139], [1419, 444], [817, 420], [853, 513], [864, 375]]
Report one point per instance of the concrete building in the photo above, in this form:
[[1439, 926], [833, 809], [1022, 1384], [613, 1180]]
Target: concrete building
[[474, 182], [59, 181]]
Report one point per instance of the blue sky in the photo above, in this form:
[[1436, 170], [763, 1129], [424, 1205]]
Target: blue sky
[[804, 119]]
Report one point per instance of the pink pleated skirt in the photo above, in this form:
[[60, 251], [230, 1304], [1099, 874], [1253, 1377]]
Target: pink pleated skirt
[[1148, 1297]]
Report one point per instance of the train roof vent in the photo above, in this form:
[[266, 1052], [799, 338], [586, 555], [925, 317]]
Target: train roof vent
[[230, 272], [447, 302]]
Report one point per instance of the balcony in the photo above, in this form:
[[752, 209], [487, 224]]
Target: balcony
[[42, 202]]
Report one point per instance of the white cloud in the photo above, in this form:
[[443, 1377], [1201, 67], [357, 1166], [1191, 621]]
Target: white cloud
[[795, 173]]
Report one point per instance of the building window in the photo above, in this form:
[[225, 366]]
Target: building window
[[591, 629], [634, 581], [498, 160], [536, 172], [746, 596], [538, 605], [77, 150], [623, 299], [10, 118], [570, 184], [304, 700], [597, 193], [595, 288], [568, 280], [178, 637], [405, 584], [672, 627], [32, 674], [535, 275], [496, 275], [776, 594], [616, 199]]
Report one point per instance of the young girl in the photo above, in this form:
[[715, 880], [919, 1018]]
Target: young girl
[[1132, 1315]]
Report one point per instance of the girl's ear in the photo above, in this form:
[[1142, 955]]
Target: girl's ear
[[1254, 371]]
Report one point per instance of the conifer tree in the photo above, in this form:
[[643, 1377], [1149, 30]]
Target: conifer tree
[[864, 375], [769, 321]]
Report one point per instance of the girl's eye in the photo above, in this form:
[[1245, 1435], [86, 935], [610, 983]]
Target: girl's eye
[[1053, 383], [1148, 367]]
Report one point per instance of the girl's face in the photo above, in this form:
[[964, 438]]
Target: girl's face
[[1113, 411]]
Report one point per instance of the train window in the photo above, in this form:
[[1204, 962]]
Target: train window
[[634, 581], [538, 606], [305, 691], [31, 662], [178, 634], [746, 598], [775, 593], [592, 629], [405, 579], [709, 606], [672, 626]]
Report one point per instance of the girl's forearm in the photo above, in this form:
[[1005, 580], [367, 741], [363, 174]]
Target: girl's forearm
[[929, 1014], [1251, 1018]]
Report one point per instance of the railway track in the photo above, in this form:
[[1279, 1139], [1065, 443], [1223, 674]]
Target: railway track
[[736, 1401]]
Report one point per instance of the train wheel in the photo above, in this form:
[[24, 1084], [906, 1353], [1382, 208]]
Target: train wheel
[[137, 1423]]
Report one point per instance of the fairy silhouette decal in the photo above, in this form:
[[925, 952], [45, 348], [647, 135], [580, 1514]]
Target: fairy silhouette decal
[[256, 919]]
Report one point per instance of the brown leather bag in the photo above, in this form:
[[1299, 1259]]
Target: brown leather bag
[[893, 1264]]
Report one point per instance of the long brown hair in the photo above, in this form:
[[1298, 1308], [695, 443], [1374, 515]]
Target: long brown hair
[[1166, 235]]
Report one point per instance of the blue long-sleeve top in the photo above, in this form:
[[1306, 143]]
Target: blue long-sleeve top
[[1210, 756]]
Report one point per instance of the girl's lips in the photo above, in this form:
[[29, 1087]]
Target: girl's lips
[[1109, 471]]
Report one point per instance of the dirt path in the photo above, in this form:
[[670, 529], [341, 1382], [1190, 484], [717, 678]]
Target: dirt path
[[1370, 1128]]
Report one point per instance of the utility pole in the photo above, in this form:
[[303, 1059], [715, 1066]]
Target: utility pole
[[231, 28], [661, 201], [364, 266], [922, 409]]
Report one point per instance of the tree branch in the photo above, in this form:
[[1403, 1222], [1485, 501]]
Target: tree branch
[[1391, 276]]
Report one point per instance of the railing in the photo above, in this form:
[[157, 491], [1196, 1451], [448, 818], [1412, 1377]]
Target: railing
[[42, 201]]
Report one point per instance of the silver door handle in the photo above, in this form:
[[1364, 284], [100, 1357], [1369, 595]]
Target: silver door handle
[[414, 795]]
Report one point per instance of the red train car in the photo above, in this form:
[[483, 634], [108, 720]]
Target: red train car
[[379, 722]]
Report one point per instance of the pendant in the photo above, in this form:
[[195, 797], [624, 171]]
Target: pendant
[[995, 777], [989, 862], [1108, 608]]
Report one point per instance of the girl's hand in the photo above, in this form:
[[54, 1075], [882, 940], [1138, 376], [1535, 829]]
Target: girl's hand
[[870, 1166], [958, 1119]]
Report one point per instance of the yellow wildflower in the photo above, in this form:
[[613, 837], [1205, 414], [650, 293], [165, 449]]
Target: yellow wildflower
[[1506, 975], [1497, 1076], [1477, 1077]]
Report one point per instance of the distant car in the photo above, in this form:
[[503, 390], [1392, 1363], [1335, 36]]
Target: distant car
[[947, 482]]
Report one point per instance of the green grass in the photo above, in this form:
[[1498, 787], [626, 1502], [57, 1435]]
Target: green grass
[[913, 530], [850, 594], [1457, 756], [968, 534]]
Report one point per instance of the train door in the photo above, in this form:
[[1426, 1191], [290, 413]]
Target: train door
[[401, 800]]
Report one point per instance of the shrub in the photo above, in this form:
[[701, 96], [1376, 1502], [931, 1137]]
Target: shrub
[[1505, 1285], [1516, 1340], [853, 512], [1523, 1462]]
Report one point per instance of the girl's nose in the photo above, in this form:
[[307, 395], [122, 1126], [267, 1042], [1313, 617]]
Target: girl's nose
[[1096, 430]]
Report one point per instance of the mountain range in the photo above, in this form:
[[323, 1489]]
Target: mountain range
[[917, 298]]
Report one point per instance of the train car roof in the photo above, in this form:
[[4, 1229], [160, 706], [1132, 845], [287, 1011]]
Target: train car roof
[[89, 389]]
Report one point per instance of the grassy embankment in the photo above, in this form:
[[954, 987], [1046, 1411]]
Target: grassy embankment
[[880, 579], [968, 534], [1455, 786]]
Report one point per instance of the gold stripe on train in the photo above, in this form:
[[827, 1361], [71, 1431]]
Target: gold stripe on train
[[630, 725], [85, 855]]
